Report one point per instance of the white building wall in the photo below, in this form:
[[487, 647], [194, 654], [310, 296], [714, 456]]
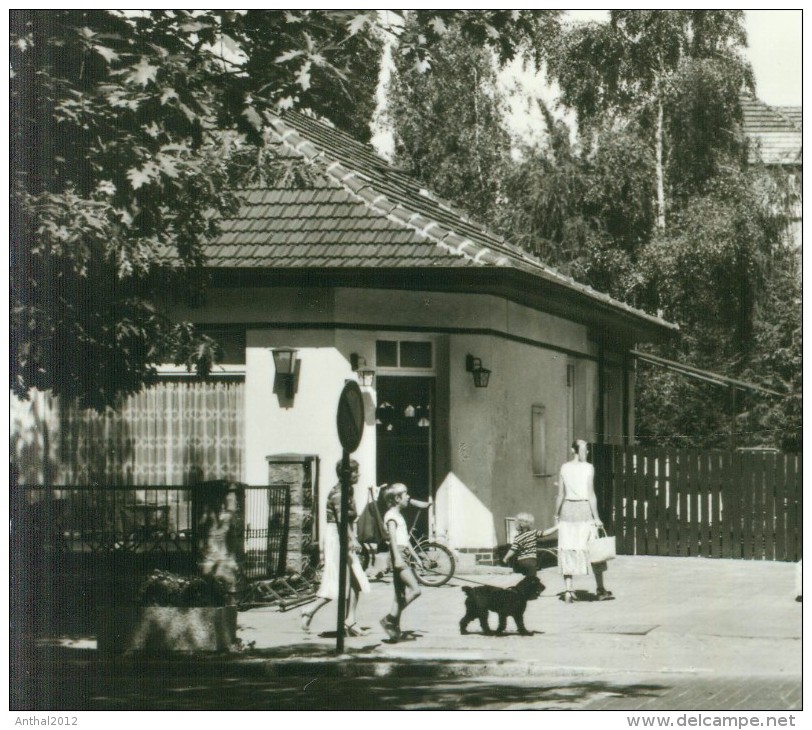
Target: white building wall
[[307, 425], [483, 462], [491, 429]]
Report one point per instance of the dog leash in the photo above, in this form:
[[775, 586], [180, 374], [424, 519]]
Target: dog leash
[[471, 580], [467, 580], [479, 583]]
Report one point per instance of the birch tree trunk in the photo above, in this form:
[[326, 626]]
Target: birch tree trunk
[[659, 168]]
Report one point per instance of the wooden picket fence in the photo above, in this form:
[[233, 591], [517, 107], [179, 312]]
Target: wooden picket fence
[[714, 504]]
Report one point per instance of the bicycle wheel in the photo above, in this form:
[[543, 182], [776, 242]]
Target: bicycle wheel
[[434, 564]]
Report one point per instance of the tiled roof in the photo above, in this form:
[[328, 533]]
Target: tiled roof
[[775, 132], [324, 228], [793, 113], [364, 213]]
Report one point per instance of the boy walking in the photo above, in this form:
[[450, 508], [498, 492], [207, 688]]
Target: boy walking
[[404, 580]]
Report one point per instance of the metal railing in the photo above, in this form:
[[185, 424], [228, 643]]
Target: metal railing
[[110, 534]]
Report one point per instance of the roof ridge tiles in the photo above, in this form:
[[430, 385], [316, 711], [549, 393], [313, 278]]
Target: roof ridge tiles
[[383, 169], [370, 183]]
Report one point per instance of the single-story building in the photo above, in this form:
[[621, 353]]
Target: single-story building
[[479, 363], [358, 265]]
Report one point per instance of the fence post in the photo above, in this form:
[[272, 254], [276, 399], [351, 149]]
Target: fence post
[[769, 506], [626, 397], [792, 508], [651, 503], [662, 504]]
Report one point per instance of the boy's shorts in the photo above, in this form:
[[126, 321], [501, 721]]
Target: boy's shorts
[[526, 566], [397, 580]]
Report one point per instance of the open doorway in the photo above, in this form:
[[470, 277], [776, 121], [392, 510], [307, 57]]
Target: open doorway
[[405, 438]]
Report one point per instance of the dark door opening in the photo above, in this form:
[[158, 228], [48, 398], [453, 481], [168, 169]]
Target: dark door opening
[[405, 438]]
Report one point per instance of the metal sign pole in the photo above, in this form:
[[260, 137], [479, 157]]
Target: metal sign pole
[[343, 542], [350, 423]]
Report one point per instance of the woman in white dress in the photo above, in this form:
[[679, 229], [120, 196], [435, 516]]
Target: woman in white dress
[[357, 581], [576, 514]]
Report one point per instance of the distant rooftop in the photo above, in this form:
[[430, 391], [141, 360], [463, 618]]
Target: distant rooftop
[[775, 131]]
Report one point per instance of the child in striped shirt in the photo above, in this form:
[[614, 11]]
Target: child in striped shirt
[[524, 544]]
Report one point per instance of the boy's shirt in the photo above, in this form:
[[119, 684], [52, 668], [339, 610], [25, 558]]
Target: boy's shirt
[[401, 531], [524, 544]]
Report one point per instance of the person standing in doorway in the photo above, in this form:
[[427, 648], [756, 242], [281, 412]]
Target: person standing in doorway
[[578, 521], [358, 583]]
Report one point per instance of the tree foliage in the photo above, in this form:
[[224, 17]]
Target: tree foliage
[[704, 134], [656, 96], [673, 80], [583, 210], [672, 72], [450, 132], [778, 360], [129, 134], [447, 125], [711, 266], [112, 168]]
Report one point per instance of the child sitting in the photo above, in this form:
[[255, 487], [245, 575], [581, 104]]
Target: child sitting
[[524, 544]]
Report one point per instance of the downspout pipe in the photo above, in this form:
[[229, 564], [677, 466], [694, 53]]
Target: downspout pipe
[[601, 415]]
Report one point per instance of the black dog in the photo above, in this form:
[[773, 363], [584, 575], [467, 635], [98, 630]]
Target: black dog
[[504, 601]]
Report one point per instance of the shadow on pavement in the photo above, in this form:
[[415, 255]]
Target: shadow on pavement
[[135, 693]]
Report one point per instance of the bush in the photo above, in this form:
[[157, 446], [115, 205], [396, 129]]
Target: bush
[[163, 588]]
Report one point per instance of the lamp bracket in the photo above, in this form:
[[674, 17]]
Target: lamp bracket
[[472, 363]]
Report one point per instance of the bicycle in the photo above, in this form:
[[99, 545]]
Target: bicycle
[[433, 562]]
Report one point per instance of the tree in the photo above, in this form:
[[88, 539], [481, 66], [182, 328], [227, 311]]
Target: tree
[[111, 169], [657, 99], [672, 80], [708, 270], [448, 128], [777, 361], [675, 411], [587, 211], [636, 67], [129, 134]]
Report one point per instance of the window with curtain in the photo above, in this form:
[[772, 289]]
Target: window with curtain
[[174, 433]]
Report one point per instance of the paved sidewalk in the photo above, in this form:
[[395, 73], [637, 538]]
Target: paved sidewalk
[[669, 615], [681, 634], [673, 616]]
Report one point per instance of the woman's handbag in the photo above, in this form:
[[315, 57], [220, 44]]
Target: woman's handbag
[[601, 548], [358, 573]]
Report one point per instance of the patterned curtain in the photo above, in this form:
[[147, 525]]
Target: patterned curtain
[[174, 433]]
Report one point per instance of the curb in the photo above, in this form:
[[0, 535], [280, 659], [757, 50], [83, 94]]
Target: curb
[[344, 666], [349, 667]]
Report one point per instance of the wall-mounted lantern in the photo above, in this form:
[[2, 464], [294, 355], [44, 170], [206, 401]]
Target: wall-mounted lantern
[[366, 376], [481, 375], [285, 362]]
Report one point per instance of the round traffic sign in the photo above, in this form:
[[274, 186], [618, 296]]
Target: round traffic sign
[[350, 416]]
